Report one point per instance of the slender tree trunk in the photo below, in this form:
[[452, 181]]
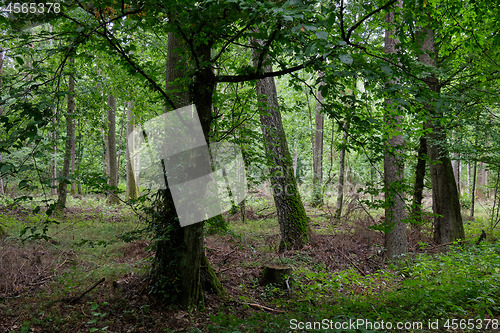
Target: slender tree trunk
[[181, 269], [126, 105], [318, 154], [292, 218], [448, 225], [418, 187], [55, 121], [112, 161], [132, 189], [395, 237], [468, 179], [473, 191], [72, 167], [480, 182], [295, 160], [340, 185], [70, 143], [79, 160], [456, 169]]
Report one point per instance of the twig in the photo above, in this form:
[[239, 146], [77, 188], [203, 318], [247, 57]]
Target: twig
[[262, 307], [77, 299], [353, 263]]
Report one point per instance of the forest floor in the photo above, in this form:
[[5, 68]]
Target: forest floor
[[339, 276]]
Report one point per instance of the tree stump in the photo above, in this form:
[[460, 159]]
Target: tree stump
[[275, 274]]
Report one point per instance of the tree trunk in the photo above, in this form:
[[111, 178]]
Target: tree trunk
[[340, 185], [112, 161], [480, 182], [418, 187], [72, 166], [473, 190], [79, 161], [395, 237], [122, 127], [132, 189], [70, 143], [448, 225], [318, 154], [456, 169], [292, 218], [180, 268], [295, 160]]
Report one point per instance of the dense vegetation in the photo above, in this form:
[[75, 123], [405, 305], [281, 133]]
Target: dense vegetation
[[369, 132]]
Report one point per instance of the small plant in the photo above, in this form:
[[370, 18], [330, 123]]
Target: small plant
[[97, 316]]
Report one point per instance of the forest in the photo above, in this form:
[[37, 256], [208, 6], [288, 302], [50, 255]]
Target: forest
[[249, 166]]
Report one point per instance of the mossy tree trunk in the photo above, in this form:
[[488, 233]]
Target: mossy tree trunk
[[292, 218], [181, 269]]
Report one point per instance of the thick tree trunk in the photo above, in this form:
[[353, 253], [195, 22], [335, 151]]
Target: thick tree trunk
[[340, 185], [448, 225], [70, 144], [418, 187], [395, 237], [181, 269], [292, 218], [132, 189], [112, 161], [318, 154]]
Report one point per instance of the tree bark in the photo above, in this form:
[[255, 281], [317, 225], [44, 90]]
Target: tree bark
[[132, 189], [70, 143], [418, 187], [395, 237], [473, 190], [318, 154], [181, 269], [55, 121], [448, 225], [480, 182], [72, 166], [456, 169], [292, 218], [340, 185], [112, 161]]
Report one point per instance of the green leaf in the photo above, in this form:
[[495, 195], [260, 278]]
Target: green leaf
[[322, 34], [387, 70], [346, 58]]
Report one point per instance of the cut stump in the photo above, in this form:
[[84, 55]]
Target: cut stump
[[275, 274]]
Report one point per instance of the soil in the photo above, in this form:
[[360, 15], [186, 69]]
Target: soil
[[125, 300]]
